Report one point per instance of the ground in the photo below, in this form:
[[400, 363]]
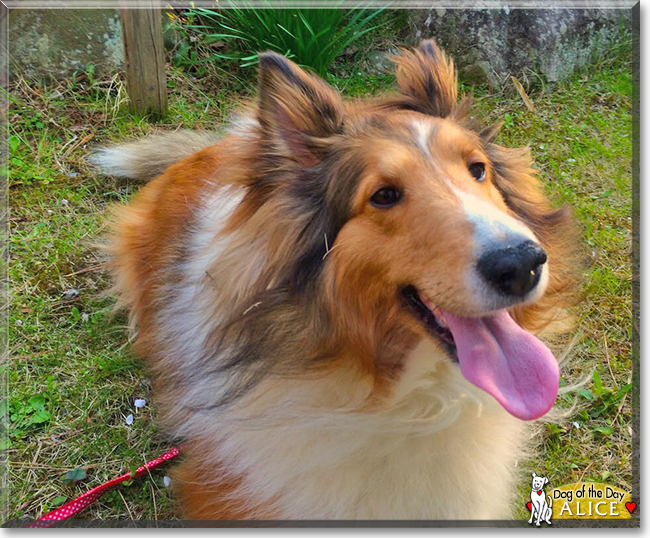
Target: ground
[[72, 381]]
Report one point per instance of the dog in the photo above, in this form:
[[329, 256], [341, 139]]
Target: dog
[[539, 506], [337, 300]]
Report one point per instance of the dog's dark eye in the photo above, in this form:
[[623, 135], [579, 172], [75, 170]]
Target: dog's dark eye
[[386, 197], [478, 171]]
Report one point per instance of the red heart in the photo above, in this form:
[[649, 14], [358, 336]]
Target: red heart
[[630, 507], [529, 505]]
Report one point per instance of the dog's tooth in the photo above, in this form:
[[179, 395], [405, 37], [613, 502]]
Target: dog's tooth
[[440, 317], [428, 304]]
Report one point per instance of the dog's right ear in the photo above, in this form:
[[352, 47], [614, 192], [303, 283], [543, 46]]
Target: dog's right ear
[[297, 111], [534, 475], [426, 76]]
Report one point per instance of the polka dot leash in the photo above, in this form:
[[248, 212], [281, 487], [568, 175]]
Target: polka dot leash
[[72, 508]]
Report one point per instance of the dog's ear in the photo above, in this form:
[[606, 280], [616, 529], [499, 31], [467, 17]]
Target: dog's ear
[[297, 111], [534, 475], [426, 76], [545, 480]]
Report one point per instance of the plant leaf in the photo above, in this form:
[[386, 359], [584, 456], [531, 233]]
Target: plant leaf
[[597, 383], [37, 402], [75, 475], [586, 393], [14, 142]]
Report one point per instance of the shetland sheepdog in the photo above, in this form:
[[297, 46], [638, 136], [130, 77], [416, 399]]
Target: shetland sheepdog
[[337, 300]]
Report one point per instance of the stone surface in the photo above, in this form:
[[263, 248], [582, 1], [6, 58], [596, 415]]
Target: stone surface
[[491, 44], [57, 42], [487, 44]]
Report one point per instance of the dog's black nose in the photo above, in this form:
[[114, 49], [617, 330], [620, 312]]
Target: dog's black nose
[[513, 270]]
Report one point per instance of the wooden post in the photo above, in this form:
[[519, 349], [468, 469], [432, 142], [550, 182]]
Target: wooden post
[[4, 53], [144, 55]]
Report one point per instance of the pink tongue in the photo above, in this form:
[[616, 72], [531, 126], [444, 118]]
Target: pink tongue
[[498, 356]]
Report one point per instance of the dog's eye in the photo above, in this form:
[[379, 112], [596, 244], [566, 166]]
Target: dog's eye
[[478, 171], [386, 197]]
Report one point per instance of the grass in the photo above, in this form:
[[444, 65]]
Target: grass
[[209, 42], [311, 37], [72, 381]]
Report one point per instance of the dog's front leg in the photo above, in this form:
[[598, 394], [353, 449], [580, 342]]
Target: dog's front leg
[[539, 515]]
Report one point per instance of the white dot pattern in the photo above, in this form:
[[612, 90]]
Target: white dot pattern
[[74, 507]]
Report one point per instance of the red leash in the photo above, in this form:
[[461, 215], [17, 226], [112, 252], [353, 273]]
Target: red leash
[[72, 508]]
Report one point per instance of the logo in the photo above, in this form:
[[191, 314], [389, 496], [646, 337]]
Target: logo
[[541, 504], [582, 500]]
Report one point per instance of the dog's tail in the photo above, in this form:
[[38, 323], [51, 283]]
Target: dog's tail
[[149, 157]]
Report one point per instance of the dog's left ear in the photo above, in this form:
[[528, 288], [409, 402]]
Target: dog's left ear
[[297, 111], [545, 480], [428, 78]]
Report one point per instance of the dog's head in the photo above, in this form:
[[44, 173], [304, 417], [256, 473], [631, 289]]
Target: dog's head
[[414, 224], [539, 482]]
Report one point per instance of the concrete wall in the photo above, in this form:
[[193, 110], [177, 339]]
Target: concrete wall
[[491, 44], [54, 43], [488, 45]]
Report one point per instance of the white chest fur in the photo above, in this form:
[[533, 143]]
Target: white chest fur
[[442, 451]]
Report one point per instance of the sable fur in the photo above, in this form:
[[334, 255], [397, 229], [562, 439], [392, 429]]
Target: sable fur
[[264, 292]]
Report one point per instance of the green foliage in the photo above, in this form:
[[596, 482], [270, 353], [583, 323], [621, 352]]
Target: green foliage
[[605, 430], [58, 500], [311, 37], [603, 400], [24, 416], [24, 162]]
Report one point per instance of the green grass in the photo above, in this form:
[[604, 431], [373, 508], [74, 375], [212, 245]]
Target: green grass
[[313, 38], [72, 380]]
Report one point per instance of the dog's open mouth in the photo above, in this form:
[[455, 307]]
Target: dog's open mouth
[[435, 324], [495, 354]]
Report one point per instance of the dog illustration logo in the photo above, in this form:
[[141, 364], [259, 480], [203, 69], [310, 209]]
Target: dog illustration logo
[[540, 508]]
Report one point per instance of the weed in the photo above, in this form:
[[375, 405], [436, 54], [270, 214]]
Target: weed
[[311, 37]]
